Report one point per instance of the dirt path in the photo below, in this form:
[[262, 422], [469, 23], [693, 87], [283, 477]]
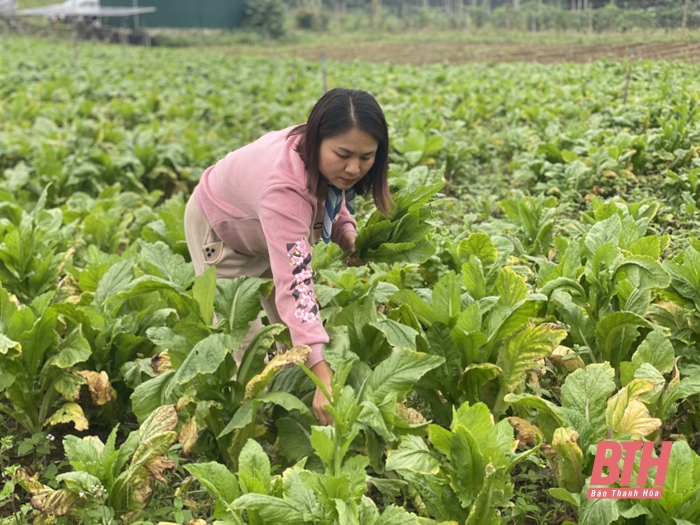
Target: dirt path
[[461, 52]]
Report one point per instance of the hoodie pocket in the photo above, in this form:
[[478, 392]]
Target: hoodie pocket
[[213, 247]]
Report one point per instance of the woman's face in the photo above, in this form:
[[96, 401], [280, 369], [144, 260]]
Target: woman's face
[[346, 158]]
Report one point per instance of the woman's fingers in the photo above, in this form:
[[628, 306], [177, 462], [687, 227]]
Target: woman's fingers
[[320, 413]]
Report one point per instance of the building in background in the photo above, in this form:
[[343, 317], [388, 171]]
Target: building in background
[[215, 14]]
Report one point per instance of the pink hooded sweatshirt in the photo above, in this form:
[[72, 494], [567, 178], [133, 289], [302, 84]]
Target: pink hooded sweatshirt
[[256, 201]]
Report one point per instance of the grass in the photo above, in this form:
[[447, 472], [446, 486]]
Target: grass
[[29, 4]]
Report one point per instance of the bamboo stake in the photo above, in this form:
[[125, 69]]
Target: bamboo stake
[[629, 74], [323, 73]]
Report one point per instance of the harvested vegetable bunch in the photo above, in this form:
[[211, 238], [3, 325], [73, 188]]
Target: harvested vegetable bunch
[[401, 236]]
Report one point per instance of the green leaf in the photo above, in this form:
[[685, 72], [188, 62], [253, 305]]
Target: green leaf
[[446, 297], [75, 349], [503, 322], [394, 515], [649, 246], [564, 495], [586, 391], [603, 232], [413, 455], [473, 278], [38, 340], [678, 390], [483, 511], [204, 292], [680, 482], [400, 372], [294, 438], [542, 405], [468, 477], [150, 394], [238, 302], [656, 350], [479, 245], [171, 266], [79, 481], [598, 511], [610, 332], [84, 454], [322, 439], [399, 335], [301, 496], [475, 377], [204, 358], [510, 287], [407, 252], [645, 272], [476, 418], [270, 509], [441, 438], [218, 480], [254, 469], [422, 309], [114, 281], [568, 156]]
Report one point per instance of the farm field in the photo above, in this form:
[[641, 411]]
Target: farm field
[[459, 52], [536, 290]]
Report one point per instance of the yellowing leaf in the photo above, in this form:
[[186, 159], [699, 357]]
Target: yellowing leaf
[[157, 465], [510, 287], [27, 482], [7, 344], [68, 385], [524, 349], [45, 499], [525, 431], [69, 413], [567, 458], [188, 435], [409, 415], [161, 362], [637, 421], [142, 484], [183, 402], [55, 502], [625, 414], [296, 355], [101, 390], [566, 357]]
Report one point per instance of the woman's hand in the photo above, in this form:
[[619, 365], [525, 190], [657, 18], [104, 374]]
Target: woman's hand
[[347, 244], [323, 372]]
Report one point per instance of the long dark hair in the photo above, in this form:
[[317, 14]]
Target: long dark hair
[[337, 112]]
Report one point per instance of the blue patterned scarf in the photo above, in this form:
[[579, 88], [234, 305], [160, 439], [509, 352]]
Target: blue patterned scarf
[[334, 201]]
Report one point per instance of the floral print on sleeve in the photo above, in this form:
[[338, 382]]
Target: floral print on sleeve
[[299, 254]]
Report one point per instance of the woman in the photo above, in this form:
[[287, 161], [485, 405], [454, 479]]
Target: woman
[[259, 211]]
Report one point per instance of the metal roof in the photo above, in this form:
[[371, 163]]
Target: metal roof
[[61, 10]]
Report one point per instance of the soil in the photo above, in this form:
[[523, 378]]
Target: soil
[[461, 52]]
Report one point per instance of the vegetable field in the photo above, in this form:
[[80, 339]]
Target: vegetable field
[[535, 290]]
